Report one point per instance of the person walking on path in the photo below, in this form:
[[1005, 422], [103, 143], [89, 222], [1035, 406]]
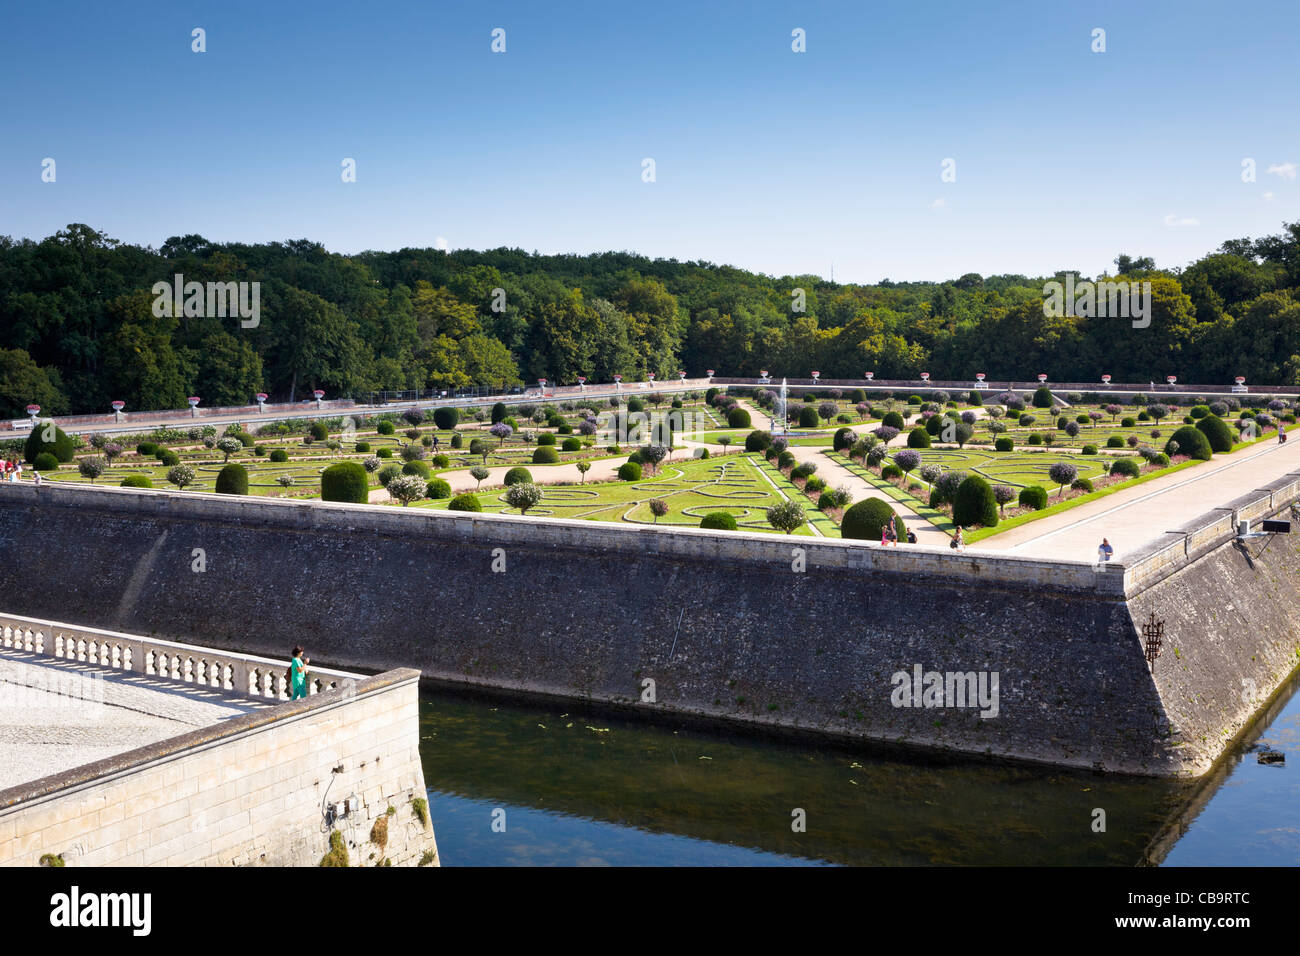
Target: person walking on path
[[298, 675], [1104, 551]]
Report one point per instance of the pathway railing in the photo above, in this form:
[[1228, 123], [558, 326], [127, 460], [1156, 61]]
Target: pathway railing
[[244, 674]]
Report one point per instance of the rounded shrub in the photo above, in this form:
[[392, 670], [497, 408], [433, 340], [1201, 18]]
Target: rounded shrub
[[517, 475], [1004, 444], [385, 427], [758, 441], [1042, 397], [1035, 439], [1034, 497], [546, 438], [718, 521], [1115, 441], [891, 471], [318, 431], [440, 461], [808, 417], [865, 520], [629, 471], [418, 468], [146, 448], [1216, 431], [893, 420], [232, 480], [446, 417], [572, 444], [498, 414], [1128, 421], [844, 439], [918, 437], [635, 457], [168, 457], [545, 455], [1161, 460], [1128, 467], [738, 418], [709, 395], [136, 481], [785, 459], [635, 404], [62, 447], [974, 503], [464, 502], [345, 481], [1190, 441], [1088, 450], [438, 489], [279, 455], [814, 485], [1081, 484], [362, 447], [46, 461], [260, 451]]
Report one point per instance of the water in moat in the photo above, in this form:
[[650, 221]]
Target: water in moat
[[515, 785]]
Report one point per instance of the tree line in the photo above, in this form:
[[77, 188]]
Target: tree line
[[78, 327]]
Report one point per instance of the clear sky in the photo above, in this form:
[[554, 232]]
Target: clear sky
[[771, 160]]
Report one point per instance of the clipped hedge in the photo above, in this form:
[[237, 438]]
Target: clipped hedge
[[1216, 432], [1004, 444], [438, 489], [758, 441], [865, 520], [629, 471], [738, 418], [418, 468], [808, 417], [974, 503], [1129, 467], [446, 417], [518, 475], [918, 437], [136, 481], [1192, 442], [464, 502], [546, 438], [279, 455], [1035, 497], [232, 480], [572, 444], [46, 461], [345, 481], [718, 521], [62, 447], [545, 455]]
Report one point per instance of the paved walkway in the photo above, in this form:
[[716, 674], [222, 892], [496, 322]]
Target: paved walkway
[[1132, 517], [56, 714]]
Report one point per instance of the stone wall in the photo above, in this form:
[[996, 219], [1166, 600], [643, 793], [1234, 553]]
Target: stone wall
[[248, 791], [725, 625]]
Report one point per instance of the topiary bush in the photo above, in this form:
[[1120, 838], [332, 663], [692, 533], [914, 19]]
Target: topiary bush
[[417, 468], [61, 446], [317, 431], [279, 455], [168, 457], [844, 439], [1035, 439], [718, 521], [1081, 484], [1042, 397], [136, 481], [808, 417], [1033, 497], [1115, 441], [345, 481], [385, 427], [1128, 421], [446, 417], [918, 437], [437, 489], [974, 503], [517, 475], [1088, 450], [785, 460], [758, 441], [1128, 467], [46, 461], [865, 520], [891, 471], [629, 471], [232, 480], [893, 420], [1004, 444], [572, 444], [464, 502], [545, 455], [1216, 432], [546, 438], [738, 418], [1190, 441]]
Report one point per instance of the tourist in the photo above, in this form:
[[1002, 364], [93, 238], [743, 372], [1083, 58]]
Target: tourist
[[435, 443], [1104, 551], [956, 542], [298, 675], [911, 536], [36, 477]]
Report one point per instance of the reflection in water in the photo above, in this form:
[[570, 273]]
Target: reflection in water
[[578, 789]]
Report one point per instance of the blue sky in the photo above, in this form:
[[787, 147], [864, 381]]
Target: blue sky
[[770, 160]]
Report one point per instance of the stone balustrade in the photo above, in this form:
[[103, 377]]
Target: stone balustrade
[[244, 674]]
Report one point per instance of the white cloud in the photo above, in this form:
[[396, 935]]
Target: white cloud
[[1285, 170], [1174, 222], [1268, 197], [440, 243], [939, 204]]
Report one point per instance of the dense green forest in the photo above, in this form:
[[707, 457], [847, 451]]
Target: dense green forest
[[77, 327]]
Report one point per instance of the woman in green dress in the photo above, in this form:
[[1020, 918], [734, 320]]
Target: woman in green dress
[[298, 675]]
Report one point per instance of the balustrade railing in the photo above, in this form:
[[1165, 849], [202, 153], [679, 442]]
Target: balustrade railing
[[243, 674]]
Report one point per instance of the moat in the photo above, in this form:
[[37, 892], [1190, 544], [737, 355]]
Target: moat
[[579, 789]]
